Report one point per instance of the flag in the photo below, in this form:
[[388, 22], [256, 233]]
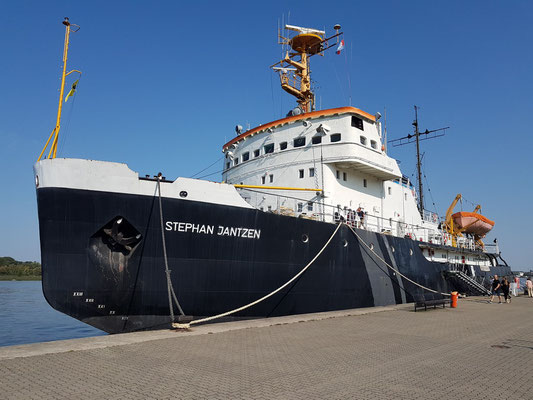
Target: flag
[[73, 90], [341, 47]]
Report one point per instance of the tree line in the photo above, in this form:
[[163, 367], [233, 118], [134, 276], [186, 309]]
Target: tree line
[[10, 266]]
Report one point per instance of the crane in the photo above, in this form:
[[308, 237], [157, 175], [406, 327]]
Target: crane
[[456, 231]]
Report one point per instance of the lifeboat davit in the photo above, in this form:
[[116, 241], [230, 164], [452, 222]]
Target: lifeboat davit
[[474, 223]]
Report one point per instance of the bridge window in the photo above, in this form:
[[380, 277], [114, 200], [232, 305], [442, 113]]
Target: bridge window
[[300, 207], [373, 144], [257, 152], [271, 178], [364, 183], [269, 148], [390, 190], [263, 178], [344, 176], [283, 145], [362, 139], [299, 142], [336, 137], [311, 172], [301, 173], [357, 122], [310, 206], [316, 139], [236, 161], [338, 174], [246, 156]]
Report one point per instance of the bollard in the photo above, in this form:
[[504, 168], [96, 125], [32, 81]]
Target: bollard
[[455, 296]]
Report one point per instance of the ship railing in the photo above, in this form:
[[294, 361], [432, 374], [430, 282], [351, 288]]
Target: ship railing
[[430, 216], [316, 209]]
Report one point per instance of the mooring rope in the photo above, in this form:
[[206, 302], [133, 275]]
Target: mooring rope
[[225, 314], [170, 289], [392, 268]]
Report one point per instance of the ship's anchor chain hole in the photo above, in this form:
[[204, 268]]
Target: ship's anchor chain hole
[[305, 238]]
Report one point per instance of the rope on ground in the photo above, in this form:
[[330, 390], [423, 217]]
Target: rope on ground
[[170, 289], [391, 267], [225, 314]]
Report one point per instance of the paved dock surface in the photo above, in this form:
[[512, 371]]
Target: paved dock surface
[[477, 351]]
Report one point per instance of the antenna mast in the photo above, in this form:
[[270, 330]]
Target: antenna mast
[[293, 69], [416, 137]]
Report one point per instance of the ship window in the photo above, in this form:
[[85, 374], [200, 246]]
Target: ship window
[[344, 176], [300, 207], [263, 178], [236, 161], [364, 183], [299, 142], [269, 148], [271, 178], [311, 172], [390, 190], [310, 206], [336, 137], [301, 173], [246, 156], [357, 122], [362, 139], [270, 208], [373, 144], [316, 139], [338, 174], [227, 165], [257, 152], [283, 145], [405, 196]]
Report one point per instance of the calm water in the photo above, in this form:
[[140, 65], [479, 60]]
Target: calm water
[[26, 317]]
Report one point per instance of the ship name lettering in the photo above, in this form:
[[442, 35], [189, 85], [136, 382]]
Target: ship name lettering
[[189, 227]]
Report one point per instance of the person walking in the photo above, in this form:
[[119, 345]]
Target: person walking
[[496, 290], [505, 289], [529, 286]]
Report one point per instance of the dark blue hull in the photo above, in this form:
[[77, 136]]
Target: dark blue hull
[[103, 262]]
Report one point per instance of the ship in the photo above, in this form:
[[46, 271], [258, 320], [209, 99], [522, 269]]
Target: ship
[[311, 215]]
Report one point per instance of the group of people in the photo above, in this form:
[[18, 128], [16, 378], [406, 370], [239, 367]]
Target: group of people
[[356, 219], [505, 287]]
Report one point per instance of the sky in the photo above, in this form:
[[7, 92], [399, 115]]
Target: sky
[[165, 82]]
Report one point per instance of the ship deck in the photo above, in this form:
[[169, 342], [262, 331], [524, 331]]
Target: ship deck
[[476, 351]]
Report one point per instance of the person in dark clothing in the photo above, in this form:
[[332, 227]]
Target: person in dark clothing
[[505, 289], [496, 289]]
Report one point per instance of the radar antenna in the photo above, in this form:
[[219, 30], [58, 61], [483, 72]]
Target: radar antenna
[[293, 69]]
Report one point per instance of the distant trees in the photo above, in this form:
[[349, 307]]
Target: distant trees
[[10, 266]]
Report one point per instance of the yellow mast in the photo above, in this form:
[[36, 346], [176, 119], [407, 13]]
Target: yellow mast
[[294, 71], [55, 132]]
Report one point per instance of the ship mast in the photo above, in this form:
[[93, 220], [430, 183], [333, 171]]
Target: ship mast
[[293, 69], [55, 132]]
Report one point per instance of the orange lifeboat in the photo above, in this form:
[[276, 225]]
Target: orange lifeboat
[[473, 223]]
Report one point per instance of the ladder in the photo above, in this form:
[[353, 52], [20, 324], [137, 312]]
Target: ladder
[[470, 282]]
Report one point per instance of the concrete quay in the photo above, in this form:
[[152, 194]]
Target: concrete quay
[[477, 351]]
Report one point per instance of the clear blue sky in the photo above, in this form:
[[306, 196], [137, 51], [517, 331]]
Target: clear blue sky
[[165, 82]]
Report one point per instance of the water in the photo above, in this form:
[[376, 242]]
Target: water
[[26, 317]]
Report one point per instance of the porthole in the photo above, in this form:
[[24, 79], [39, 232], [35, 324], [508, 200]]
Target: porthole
[[183, 193], [305, 238], [344, 243], [410, 252]]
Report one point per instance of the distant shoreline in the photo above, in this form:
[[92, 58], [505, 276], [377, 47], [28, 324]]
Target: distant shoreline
[[19, 278]]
